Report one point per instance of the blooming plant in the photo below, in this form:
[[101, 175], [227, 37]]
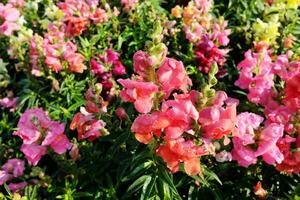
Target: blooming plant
[[149, 99]]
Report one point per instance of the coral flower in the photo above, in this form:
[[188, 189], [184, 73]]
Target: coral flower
[[140, 93]]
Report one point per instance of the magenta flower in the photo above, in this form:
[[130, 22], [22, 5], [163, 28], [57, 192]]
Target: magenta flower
[[138, 92], [4, 177], [10, 103], [14, 187], [96, 67], [33, 152], [172, 75], [244, 155], [38, 132], [14, 167]]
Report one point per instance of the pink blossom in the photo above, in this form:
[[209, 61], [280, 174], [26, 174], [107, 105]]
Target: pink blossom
[[14, 167], [14, 187], [111, 56], [34, 55], [182, 113], [220, 33], [194, 32], [57, 139], [121, 113], [75, 61], [8, 17], [256, 76], [292, 92], [142, 62], [129, 4], [172, 75], [223, 156], [87, 126], [140, 93], [284, 68], [203, 5], [267, 145], [244, 155], [4, 177], [16, 3], [246, 124], [33, 152], [119, 68], [10, 103], [99, 16], [31, 124], [147, 125], [96, 67]]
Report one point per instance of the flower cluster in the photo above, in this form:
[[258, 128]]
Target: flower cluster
[[186, 127], [9, 16], [13, 168], [58, 53], [85, 121], [79, 14], [205, 32], [39, 132], [106, 66]]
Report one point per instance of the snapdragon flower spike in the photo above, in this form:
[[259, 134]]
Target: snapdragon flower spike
[[180, 150], [256, 75], [129, 4], [87, 126], [172, 75], [8, 19], [38, 132], [284, 68], [55, 48], [138, 92]]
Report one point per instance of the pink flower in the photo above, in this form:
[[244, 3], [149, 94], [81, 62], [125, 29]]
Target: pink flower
[[14, 187], [34, 55], [8, 17], [111, 56], [94, 102], [246, 124], [140, 93], [142, 62], [4, 177], [203, 5], [256, 75], [121, 113], [284, 68], [87, 126], [99, 16], [57, 139], [33, 152], [244, 155], [31, 124], [182, 113], [74, 152], [223, 156], [75, 61], [9, 103], [14, 167], [267, 145], [147, 125], [129, 4], [96, 68], [220, 33], [16, 3], [172, 75], [119, 68]]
